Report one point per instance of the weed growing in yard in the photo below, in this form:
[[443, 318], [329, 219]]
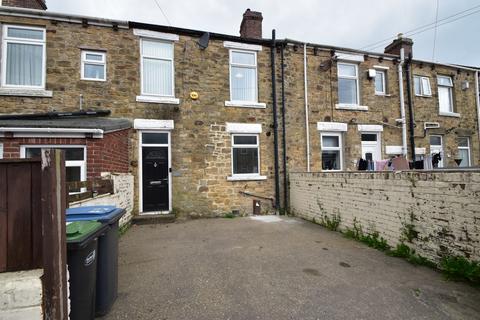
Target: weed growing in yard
[[123, 229], [331, 223], [459, 268], [409, 233], [372, 240], [404, 251], [229, 215]]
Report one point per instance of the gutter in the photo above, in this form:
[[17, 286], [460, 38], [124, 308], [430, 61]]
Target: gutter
[[275, 123], [305, 82], [72, 18], [96, 133], [402, 101]]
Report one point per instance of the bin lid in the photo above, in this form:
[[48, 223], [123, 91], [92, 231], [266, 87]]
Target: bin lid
[[102, 213], [79, 230]]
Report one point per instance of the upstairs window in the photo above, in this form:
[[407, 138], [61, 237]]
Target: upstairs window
[[243, 76], [23, 62], [245, 155], [348, 93], [421, 86], [157, 68], [380, 82], [464, 151], [93, 66], [445, 94]]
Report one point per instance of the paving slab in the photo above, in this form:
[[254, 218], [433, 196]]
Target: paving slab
[[274, 268]]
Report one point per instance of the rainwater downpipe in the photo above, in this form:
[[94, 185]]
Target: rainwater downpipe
[[402, 101], [477, 93], [275, 124], [411, 122], [284, 134], [307, 129]]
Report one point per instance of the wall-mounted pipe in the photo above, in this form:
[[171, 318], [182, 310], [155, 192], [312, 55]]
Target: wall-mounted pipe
[[305, 81], [275, 124], [402, 101], [411, 122], [284, 133], [477, 93]]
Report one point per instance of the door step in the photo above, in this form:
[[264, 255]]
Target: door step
[[153, 219]]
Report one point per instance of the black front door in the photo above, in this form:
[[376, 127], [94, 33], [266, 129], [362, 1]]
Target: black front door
[[155, 179]]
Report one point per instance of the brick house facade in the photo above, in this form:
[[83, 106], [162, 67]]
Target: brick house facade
[[217, 142]]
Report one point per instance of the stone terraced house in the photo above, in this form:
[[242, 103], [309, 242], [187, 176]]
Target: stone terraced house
[[200, 119]]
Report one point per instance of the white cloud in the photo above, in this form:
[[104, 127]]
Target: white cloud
[[336, 22]]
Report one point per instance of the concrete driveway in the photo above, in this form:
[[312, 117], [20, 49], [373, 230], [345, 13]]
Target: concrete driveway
[[288, 269]]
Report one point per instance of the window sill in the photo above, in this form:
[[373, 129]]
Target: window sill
[[383, 95], [449, 114], [245, 104], [41, 93], [423, 96], [246, 178], [154, 99], [351, 107]]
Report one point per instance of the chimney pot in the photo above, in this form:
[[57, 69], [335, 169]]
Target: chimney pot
[[251, 26]]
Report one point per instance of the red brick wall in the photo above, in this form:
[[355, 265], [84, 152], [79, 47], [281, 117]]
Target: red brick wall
[[31, 4], [109, 154]]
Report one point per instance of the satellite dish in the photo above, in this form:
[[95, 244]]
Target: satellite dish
[[203, 41]]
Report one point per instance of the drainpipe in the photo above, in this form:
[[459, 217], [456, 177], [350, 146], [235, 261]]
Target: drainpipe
[[275, 124], [284, 135], [307, 129], [410, 106], [477, 93], [402, 101]]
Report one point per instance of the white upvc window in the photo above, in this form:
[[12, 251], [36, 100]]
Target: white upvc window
[[445, 94], [75, 159], [1, 150], [464, 151], [243, 76], [380, 82], [332, 151], [245, 157], [436, 147], [23, 57], [348, 91], [94, 66], [157, 68], [421, 86]]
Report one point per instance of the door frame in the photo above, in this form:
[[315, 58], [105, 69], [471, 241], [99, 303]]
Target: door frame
[[378, 143], [140, 170]]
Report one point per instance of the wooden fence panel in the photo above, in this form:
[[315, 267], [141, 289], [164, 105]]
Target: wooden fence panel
[[19, 226]]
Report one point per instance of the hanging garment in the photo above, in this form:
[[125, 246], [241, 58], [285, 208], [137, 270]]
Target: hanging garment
[[400, 163], [370, 165], [381, 165], [362, 164], [436, 158], [419, 164], [427, 163]]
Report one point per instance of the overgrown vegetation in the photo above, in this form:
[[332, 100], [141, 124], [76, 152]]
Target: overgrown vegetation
[[404, 251], [409, 233], [229, 215], [372, 240], [123, 229], [459, 268], [331, 223]]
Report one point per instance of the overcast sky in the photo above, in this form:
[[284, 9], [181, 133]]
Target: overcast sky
[[348, 23]]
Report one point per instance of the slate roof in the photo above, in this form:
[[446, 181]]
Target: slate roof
[[107, 124]]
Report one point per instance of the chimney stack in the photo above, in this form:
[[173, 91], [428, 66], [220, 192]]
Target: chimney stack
[[29, 4], [251, 26], [397, 44]]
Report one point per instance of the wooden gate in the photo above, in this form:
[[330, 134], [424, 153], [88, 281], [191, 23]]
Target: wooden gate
[[32, 224]]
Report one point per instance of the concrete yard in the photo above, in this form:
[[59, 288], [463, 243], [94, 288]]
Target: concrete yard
[[286, 269]]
